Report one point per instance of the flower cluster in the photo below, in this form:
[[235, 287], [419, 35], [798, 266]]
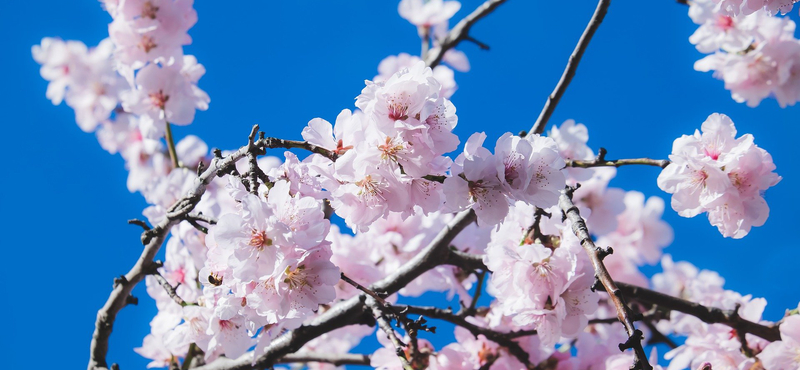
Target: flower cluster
[[755, 53], [83, 76], [526, 169], [713, 171], [261, 252], [717, 344]]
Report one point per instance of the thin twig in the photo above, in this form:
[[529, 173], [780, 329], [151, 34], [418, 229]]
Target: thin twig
[[335, 359], [383, 323], [596, 255], [347, 312], [471, 309], [503, 339], [171, 146], [171, 291], [460, 32], [709, 315], [572, 66], [366, 290], [601, 161]]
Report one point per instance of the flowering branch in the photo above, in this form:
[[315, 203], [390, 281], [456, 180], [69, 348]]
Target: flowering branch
[[170, 289], [503, 339], [596, 254], [154, 238], [572, 66], [461, 32], [601, 161], [710, 315], [338, 359], [350, 311], [386, 326]]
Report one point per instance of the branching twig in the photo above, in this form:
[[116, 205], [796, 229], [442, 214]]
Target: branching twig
[[471, 309], [503, 339], [461, 32], [339, 359], [710, 315], [347, 312], [154, 238], [596, 255], [171, 291], [386, 326], [601, 161], [366, 290], [572, 66]]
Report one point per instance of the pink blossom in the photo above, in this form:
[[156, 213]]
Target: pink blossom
[[151, 30], [166, 94], [444, 75], [785, 353], [717, 173], [427, 13], [86, 78], [479, 188]]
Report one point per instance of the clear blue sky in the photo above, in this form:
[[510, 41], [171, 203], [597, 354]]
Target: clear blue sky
[[64, 202]]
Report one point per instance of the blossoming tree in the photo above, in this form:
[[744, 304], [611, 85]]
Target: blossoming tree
[[295, 260]]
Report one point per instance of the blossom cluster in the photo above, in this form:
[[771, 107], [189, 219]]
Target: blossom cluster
[[272, 253], [753, 52], [714, 171]]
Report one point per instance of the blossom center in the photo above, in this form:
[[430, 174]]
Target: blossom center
[[149, 10], [724, 22], [390, 149], [159, 99], [259, 239], [147, 43], [295, 278]]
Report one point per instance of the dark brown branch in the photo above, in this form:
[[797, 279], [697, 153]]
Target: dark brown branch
[[338, 359], [170, 289], [384, 323], [271, 142], [152, 240], [572, 66], [366, 290], [461, 32], [710, 315], [596, 255], [139, 223], [503, 339], [601, 161], [352, 310]]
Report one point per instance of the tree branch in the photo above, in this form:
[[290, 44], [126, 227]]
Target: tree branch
[[336, 359], [154, 238], [503, 339], [596, 255], [350, 311], [572, 66], [601, 161], [461, 32], [170, 289], [709, 315]]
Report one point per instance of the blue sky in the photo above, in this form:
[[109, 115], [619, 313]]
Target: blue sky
[[279, 64]]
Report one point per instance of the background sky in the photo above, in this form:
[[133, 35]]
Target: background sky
[[64, 203]]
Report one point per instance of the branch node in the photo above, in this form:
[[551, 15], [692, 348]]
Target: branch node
[[131, 300], [121, 280], [633, 341], [139, 223]]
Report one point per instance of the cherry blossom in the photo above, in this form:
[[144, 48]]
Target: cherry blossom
[[716, 172], [785, 353], [427, 13], [166, 94], [151, 30]]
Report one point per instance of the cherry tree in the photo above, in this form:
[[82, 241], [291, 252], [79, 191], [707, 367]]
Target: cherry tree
[[295, 259]]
